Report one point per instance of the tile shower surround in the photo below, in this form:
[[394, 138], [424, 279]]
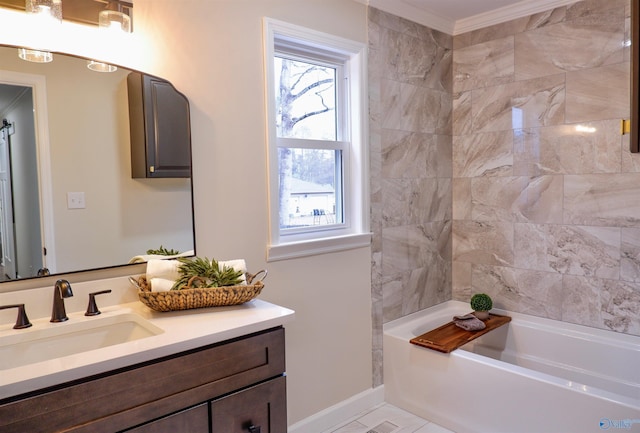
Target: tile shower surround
[[497, 166]]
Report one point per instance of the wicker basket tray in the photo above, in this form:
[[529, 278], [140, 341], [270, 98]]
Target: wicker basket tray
[[189, 298]]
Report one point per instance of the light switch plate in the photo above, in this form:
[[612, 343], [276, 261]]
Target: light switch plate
[[75, 200]]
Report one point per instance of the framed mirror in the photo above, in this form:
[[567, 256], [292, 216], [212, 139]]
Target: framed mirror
[[68, 202]]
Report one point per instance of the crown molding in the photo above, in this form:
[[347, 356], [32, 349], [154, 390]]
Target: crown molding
[[419, 15], [506, 13], [438, 22]]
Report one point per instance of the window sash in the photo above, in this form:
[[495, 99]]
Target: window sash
[[341, 187], [342, 106], [300, 52]]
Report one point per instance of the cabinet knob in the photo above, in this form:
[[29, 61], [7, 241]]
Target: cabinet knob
[[253, 429]]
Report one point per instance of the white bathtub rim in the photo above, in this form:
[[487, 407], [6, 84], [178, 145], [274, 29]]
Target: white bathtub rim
[[405, 328]]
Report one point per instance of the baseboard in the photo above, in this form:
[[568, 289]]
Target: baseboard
[[339, 413]]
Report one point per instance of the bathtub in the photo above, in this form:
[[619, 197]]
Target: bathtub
[[530, 375]]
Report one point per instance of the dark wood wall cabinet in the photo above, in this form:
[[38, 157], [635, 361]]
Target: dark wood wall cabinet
[[159, 124], [236, 386]]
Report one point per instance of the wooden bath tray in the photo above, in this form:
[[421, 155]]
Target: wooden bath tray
[[449, 337]]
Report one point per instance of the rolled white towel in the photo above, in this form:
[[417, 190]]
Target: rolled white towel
[[146, 257], [166, 269], [238, 265], [161, 284]]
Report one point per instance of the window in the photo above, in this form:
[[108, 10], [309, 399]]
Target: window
[[316, 125]]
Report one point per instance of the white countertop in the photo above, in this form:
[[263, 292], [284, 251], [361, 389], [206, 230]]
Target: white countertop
[[182, 330]]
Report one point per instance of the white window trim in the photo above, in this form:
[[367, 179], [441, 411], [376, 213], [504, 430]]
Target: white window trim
[[356, 232]]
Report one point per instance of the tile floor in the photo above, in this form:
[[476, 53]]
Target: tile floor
[[386, 418]]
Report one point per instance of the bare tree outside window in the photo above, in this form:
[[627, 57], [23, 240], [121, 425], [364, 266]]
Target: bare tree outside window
[[306, 101]]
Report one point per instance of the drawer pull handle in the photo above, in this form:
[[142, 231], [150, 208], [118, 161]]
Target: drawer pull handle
[[253, 429]]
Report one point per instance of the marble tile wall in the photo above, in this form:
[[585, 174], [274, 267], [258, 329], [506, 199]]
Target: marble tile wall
[[410, 83], [497, 166], [546, 196]]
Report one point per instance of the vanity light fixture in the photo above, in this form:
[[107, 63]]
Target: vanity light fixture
[[48, 13], [112, 19], [100, 66], [49, 10], [35, 56]]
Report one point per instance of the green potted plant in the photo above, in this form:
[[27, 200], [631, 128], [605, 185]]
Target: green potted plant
[[481, 303], [204, 273]]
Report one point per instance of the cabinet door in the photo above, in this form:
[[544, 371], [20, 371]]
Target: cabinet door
[[259, 409], [193, 420], [159, 123], [168, 130]]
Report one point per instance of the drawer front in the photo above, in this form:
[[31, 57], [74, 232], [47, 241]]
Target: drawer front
[[194, 420], [134, 396], [259, 409]]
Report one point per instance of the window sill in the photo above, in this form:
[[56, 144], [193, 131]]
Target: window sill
[[317, 246]]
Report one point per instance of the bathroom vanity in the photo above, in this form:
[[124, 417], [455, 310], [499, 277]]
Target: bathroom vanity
[[228, 387], [208, 370]]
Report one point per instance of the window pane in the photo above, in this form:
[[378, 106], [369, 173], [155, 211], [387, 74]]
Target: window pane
[[310, 187], [305, 100]]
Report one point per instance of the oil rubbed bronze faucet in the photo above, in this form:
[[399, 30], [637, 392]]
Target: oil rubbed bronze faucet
[[61, 290]]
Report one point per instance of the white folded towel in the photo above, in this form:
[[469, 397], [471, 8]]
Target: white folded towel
[[166, 269], [238, 265], [161, 284]]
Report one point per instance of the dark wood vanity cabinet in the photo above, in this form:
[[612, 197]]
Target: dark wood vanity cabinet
[[234, 386], [159, 125], [252, 410]]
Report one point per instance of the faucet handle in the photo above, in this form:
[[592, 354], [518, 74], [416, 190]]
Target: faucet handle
[[92, 308], [22, 320]]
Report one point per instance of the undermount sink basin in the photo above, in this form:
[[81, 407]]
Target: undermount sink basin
[[78, 335]]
